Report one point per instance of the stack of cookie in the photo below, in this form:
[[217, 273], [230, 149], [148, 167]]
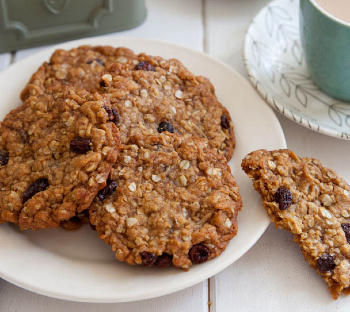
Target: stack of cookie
[[134, 144]]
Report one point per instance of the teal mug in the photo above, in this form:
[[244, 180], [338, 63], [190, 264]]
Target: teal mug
[[326, 44]]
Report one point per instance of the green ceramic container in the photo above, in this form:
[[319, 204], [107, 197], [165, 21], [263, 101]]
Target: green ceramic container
[[29, 23], [326, 43]]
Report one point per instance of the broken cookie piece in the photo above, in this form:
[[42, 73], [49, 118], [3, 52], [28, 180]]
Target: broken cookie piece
[[313, 203]]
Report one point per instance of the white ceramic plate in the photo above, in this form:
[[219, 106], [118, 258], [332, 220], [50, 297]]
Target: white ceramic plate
[[276, 67], [79, 266]]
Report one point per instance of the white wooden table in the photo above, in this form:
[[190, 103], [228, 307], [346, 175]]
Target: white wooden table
[[273, 275]]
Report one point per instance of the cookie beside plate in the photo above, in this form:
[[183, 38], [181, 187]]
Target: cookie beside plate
[[313, 203]]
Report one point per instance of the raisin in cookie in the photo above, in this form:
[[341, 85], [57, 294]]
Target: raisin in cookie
[[80, 67], [312, 202], [169, 200], [56, 151], [76, 222]]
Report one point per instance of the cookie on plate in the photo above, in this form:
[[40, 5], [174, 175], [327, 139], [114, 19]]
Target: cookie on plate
[[156, 95], [79, 67], [313, 203], [56, 151], [169, 200], [149, 93]]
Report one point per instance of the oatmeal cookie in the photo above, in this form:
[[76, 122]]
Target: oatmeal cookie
[[158, 95], [169, 200], [80, 67], [313, 203], [56, 151], [149, 94]]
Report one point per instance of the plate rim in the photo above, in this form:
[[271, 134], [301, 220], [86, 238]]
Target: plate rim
[[184, 285], [277, 105]]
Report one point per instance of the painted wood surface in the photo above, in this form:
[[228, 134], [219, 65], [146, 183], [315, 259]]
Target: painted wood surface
[[273, 275]]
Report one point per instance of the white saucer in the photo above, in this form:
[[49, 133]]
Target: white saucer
[[276, 68]]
